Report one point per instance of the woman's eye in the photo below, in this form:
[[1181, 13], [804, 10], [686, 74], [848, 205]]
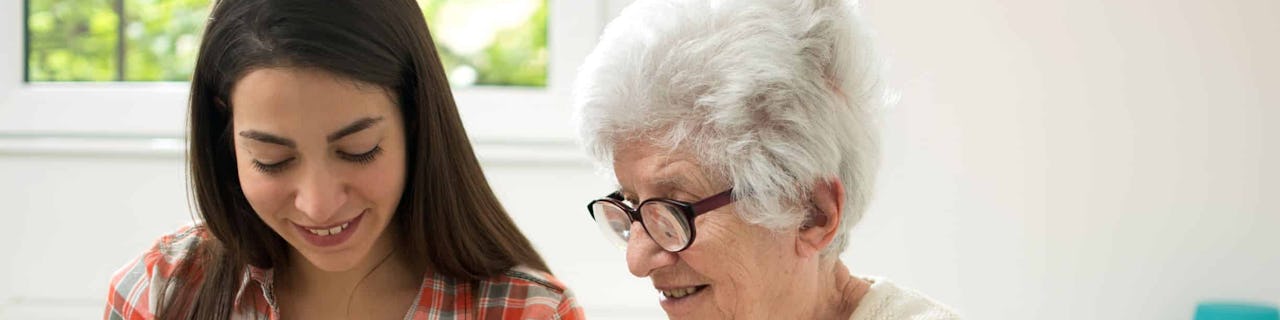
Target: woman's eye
[[361, 158], [271, 168]]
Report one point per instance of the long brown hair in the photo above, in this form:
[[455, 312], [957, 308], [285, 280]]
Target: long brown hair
[[448, 219]]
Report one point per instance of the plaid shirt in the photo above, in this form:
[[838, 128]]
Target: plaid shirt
[[519, 293]]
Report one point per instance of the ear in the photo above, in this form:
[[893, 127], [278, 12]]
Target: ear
[[822, 222]]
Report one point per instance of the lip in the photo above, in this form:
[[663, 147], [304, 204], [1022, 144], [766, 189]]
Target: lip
[[333, 240], [684, 305]]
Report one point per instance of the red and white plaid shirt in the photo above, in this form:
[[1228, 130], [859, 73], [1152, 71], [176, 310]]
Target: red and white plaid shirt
[[519, 293]]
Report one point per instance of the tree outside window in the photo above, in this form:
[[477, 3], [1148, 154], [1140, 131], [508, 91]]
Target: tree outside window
[[481, 42]]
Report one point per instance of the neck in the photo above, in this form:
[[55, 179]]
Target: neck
[[842, 295]]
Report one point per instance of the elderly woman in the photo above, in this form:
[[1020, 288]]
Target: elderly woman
[[741, 134]]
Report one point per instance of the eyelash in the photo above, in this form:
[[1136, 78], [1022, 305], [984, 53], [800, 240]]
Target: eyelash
[[362, 158], [271, 168]]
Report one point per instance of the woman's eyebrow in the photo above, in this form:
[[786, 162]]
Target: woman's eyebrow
[[670, 182], [661, 184], [268, 138], [354, 127]]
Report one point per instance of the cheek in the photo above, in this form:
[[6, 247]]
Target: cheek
[[267, 195], [382, 182], [739, 257], [717, 253]]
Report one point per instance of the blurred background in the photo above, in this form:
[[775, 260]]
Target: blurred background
[[1049, 159]]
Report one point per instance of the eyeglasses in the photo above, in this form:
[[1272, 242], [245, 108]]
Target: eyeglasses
[[668, 222]]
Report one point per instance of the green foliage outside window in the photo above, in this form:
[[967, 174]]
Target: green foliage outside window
[[72, 40], [481, 42], [162, 37]]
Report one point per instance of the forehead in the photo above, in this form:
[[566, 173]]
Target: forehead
[[285, 99], [640, 167]]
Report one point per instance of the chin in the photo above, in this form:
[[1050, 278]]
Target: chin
[[698, 316], [333, 262]]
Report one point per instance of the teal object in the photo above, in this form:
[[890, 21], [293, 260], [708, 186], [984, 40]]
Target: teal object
[[1236, 311]]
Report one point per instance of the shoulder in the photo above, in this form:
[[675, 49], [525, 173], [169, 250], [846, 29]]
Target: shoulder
[[888, 301], [538, 294], [132, 288], [532, 278], [172, 249]]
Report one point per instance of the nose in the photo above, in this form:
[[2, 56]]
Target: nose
[[644, 255], [321, 195]]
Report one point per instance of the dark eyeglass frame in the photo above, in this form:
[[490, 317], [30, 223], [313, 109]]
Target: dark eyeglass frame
[[688, 211]]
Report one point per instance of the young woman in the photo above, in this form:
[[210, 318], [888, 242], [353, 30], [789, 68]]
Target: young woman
[[334, 181]]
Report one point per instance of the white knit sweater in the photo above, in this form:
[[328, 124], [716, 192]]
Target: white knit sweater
[[886, 301]]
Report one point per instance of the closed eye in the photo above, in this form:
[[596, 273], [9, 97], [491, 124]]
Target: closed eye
[[271, 168], [361, 158]]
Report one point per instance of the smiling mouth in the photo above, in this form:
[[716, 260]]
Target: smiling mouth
[[330, 231], [682, 292], [330, 235]]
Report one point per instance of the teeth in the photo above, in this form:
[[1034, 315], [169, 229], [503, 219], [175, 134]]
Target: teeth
[[679, 293], [329, 231]]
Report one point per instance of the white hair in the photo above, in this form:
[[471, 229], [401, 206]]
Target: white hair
[[772, 96]]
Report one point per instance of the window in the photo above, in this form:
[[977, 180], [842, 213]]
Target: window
[[499, 42], [528, 102], [101, 119]]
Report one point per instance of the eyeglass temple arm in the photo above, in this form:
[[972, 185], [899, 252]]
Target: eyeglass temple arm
[[714, 202]]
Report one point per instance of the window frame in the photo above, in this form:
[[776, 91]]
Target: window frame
[[158, 109]]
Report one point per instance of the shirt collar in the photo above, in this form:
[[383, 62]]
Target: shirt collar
[[260, 279]]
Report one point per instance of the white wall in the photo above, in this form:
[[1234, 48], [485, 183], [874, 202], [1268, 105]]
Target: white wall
[[1080, 159], [1050, 159]]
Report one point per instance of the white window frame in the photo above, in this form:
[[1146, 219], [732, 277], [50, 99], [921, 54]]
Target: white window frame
[[149, 110]]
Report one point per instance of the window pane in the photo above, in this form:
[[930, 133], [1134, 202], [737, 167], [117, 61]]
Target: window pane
[[481, 42], [490, 42], [71, 40], [162, 38]]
